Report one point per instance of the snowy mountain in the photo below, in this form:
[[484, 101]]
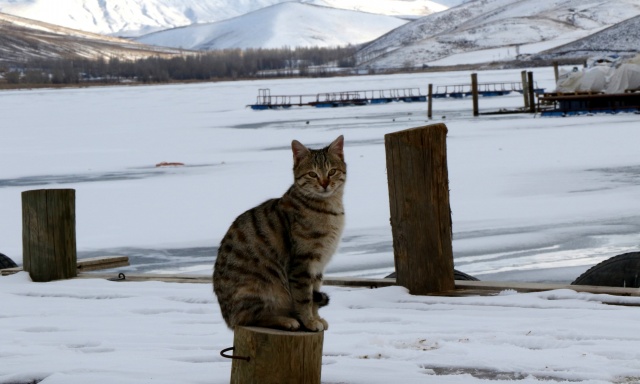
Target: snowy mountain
[[137, 17], [405, 8], [622, 38], [487, 24], [286, 24], [22, 39], [129, 17]]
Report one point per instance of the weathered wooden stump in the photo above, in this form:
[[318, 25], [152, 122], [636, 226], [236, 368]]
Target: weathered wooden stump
[[419, 205], [49, 234], [276, 357]]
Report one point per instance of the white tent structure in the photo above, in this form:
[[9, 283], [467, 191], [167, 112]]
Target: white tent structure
[[604, 74]]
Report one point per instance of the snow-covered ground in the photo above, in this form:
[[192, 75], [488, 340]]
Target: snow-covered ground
[[533, 199], [102, 332]]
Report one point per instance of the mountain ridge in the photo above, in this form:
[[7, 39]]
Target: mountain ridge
[[137, 17], [621, 39], [286, 24], [486, 24], [23, 39]]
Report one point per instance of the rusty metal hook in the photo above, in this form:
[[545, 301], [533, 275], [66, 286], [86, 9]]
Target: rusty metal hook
[[247, 358]]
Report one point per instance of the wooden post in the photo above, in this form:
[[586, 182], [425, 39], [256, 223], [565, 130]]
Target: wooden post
[[525, 90], [556, 73], [419, 205], [532, 93], [276, 357], [49, 234], [430, 102], [474, 93]]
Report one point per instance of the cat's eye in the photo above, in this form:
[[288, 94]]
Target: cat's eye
[[332, 172], [313, 174]]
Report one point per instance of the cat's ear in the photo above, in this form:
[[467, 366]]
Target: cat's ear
[[299, 151], [337, 147]]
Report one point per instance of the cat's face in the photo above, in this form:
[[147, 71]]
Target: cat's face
[[319, 172]]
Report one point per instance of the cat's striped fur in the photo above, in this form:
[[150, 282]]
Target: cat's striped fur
[[270, 263]]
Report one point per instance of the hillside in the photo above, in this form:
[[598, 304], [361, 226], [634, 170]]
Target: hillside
[[622, 38], [405, 8], [287, 24], [138, 17], [23, 39], [483, 25]]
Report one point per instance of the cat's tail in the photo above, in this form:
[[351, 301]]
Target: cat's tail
[[321, 299]]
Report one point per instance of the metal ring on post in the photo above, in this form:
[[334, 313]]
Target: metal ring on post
[[121, 277], [247, 358]]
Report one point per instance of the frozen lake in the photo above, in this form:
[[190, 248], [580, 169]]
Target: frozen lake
[[533, 199]]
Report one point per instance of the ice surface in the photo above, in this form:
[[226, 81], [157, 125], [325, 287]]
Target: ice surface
[[533, 199], [527, 193]]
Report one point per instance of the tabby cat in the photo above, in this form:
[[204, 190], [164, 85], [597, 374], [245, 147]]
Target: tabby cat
[[270, 263]]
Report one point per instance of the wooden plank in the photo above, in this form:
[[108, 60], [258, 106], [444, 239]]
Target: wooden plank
[[195, 279], [10, 271], [204, 279], [85, 265], [539, 287], [102, 262], [358, 282], [462, 287]]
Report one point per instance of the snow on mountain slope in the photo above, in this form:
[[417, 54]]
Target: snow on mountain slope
[[386, 7], [486, 24], [287, 24], [130, 17], [138, 17], [452, 3], [622, 38], [22, 39]]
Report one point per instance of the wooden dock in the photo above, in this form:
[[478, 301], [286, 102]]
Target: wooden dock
[[459, 91], [265, 100], [581, 103]]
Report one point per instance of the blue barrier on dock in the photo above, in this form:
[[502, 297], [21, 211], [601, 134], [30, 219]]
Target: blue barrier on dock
[[382, 96]]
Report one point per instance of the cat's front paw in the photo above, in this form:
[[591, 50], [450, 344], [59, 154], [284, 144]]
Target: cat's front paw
[[316, 325], [288, 324]]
